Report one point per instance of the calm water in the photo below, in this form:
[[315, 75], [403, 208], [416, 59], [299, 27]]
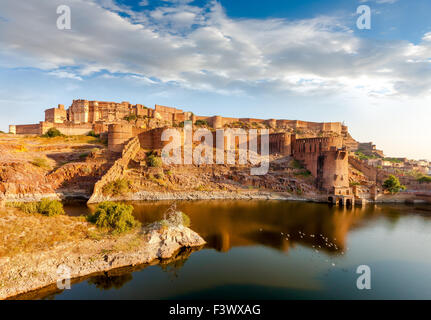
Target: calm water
[[249, 254]]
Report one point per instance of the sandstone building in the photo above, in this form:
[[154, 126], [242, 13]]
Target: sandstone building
[[323, 148]]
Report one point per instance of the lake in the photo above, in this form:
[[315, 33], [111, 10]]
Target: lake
[[278, 250]]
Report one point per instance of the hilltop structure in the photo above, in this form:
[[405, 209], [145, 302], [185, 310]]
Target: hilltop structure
[[323, 148]]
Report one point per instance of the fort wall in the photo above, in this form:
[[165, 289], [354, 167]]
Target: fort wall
[[326, 159], [118, 135], [28, 129]]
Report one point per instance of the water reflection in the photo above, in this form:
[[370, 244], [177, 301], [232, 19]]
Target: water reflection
[[276, 224], [276, 249]]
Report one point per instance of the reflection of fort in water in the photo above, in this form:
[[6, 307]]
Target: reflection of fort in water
[[276, 224]]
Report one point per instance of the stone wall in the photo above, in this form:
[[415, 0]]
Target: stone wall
[[118, 135], [280, 143], [28, 129], [117, 170], [369, 171], [326, 159]]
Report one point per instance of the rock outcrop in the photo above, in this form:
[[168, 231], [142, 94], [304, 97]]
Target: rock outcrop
[[26, 272]]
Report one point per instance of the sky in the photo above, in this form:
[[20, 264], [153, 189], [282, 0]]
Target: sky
[[286, 59]]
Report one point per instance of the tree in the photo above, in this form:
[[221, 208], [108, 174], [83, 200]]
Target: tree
[[393, 185]]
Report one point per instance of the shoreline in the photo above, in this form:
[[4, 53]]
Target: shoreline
[[204, 195], [30, 271]]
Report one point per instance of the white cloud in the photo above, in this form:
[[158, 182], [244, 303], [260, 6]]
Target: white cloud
[[203, 49], [65, 75]]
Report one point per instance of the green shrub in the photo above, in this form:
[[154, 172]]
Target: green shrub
[[304, 173], [45, 206], [27, 207], [296, 164], [360, 154], [131, 117], [393, 160], [201, 123], [93, 134], [82, 156], [424, 179], [41, 163], [393, 185], [50, 207], [117, 217], [52, 132], [154, 161], [117, 187]]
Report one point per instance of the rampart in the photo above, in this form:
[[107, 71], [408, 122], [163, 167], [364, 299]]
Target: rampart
[[117, 170], [326, 159]]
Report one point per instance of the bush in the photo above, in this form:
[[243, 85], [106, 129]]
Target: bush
[[393, 185], [154, 161], [41, 163], [52, 132], [93, 134], [296, 164], [201, 123], [50, 207], [27, 207], [83, 156], [117, 217], [424, 179], [131, 117], [45, 206], [117, 187]]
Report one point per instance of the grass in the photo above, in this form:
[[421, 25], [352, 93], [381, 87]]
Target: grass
[[41, 163], [21, 232], [81, 139]]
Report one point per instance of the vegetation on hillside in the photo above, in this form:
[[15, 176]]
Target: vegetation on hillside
[[154, 161], [93, 134], [393, 160], [363, 156], [41, 163], [201, 123], [116, 187], [393, 185], [424, 179]]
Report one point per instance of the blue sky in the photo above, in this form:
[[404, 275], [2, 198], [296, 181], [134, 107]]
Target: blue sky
[[286, 59]]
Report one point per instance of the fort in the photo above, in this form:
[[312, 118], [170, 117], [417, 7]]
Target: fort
[[321, 147]]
